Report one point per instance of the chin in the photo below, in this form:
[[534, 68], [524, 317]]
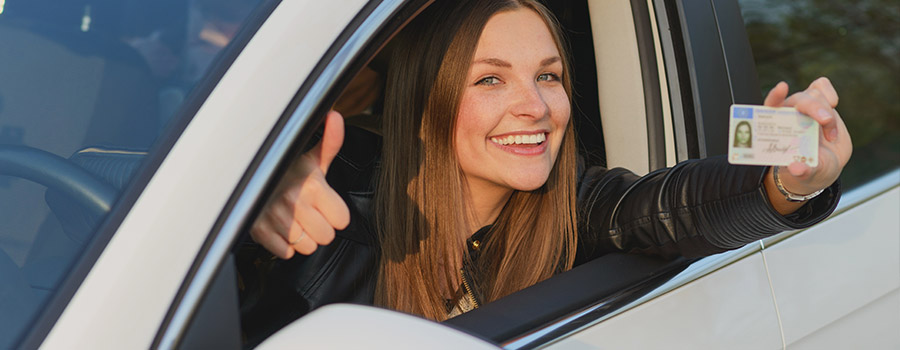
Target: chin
[[530, 184]]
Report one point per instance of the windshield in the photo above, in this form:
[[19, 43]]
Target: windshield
[[86, 88]]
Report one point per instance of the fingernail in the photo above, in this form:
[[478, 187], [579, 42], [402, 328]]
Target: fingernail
[[833, 134], [825, 115]]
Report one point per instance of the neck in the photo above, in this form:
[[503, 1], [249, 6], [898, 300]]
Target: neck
[[485, 203]]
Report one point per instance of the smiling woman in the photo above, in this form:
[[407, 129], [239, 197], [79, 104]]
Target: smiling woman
[[478, 193], [492, 82]]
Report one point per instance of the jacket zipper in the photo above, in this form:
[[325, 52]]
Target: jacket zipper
[[468, 289]]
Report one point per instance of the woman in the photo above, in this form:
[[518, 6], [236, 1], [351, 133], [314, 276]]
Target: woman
[[743, 135], [478, 138]]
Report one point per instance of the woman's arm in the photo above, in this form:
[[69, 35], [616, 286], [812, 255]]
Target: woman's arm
[[702, 207], [696, 208]]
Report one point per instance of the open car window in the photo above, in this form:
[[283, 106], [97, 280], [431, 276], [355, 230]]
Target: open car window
[[92, 95], [350, 80]]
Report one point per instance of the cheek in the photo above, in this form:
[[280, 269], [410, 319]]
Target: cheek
[[560, 110], [471, 128], [477, 116]]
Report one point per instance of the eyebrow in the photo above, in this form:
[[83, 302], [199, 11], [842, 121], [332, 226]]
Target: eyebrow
[[549, 61], [501, 63], [494, 62]]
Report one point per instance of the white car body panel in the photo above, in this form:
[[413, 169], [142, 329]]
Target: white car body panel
[[346, 326], [857, 330], [730, 308], [128, 291], [825, 277]]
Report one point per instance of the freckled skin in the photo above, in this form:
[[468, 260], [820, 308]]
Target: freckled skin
[[525, 96]]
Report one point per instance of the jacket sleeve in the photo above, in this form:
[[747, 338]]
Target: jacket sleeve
[[696, 208]]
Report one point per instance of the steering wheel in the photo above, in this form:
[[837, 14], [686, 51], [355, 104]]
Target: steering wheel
[[58, 174]]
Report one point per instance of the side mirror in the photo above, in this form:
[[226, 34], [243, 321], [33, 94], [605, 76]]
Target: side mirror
[[346, 326]]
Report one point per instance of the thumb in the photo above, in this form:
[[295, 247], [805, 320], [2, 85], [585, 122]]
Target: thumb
[[332, 139], [777, 95]]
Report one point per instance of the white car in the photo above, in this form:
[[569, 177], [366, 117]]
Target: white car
[[138, 140]]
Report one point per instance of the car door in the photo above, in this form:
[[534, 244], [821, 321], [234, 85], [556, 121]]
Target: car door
[[837, 284]]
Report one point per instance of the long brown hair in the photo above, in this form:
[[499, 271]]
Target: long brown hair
[[420, 208]]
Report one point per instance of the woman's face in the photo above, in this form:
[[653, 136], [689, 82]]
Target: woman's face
[[514, 108], [743, 134]]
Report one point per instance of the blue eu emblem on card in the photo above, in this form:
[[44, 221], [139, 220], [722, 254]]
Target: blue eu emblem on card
[[743, 113]]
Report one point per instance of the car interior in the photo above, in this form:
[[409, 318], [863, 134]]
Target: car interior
[[82, 102]]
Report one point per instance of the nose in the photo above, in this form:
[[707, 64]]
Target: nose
[[529, 102]]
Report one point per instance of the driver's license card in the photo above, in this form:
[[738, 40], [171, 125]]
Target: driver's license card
[[760, 135]]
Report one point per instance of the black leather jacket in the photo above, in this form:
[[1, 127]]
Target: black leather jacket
[[697, 208]]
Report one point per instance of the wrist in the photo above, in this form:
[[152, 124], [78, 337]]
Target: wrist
[[788, 187]]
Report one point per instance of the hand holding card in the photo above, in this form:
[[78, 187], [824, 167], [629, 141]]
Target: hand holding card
[[834, 144]]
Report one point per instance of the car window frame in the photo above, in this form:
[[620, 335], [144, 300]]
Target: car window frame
[[107, 228], [292, 134], [315, 97]]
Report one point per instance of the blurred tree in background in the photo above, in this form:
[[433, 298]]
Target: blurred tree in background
[[854, 43]]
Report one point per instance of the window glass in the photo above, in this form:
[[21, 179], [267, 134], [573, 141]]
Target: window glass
[[855, 44], [86, 87]]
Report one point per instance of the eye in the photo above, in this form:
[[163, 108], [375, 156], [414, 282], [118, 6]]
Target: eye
[[488, 81], [548, 77]]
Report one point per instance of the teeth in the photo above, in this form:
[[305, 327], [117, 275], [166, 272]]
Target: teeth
[[520, 139]]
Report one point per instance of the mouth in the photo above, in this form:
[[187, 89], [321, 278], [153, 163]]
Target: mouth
[[528, 143]]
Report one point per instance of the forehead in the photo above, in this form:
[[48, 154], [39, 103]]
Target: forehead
[[519, 33]]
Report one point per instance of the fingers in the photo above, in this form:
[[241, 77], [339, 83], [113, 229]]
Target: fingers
[[263, 233], [332, 139], [818, 109], [305, 214], [301, 241], [309, 230], [303, 218], [333, 208], [777, 95], [822, 88]]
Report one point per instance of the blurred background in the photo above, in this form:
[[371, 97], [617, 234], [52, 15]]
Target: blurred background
[[854, 43]]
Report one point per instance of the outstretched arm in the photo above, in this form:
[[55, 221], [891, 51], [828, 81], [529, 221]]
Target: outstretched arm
[[702, 207]]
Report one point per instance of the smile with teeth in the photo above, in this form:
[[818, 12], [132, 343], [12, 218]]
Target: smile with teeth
[[533, 139]]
